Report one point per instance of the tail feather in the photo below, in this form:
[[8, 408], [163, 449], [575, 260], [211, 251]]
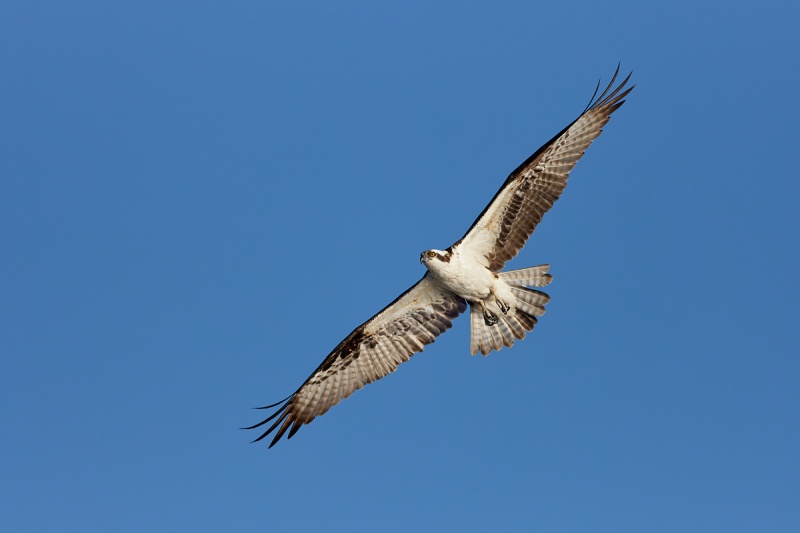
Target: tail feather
[[475, 332], [527, 321], [482, 337], [506, 332], [530, 300], [513, 326], [497, 337], [528, 277], [517, 328]]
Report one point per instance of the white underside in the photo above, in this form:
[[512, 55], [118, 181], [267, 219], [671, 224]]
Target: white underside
[[467, 276], [503, 306]]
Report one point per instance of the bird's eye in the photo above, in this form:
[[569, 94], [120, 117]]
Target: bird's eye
[[431, 254]]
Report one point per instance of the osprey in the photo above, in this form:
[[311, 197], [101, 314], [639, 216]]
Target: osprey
[[504, 306]]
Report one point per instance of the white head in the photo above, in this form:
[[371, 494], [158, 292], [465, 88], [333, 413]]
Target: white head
[[429, 257]]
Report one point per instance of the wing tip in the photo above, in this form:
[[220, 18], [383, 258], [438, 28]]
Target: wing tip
[[611, 97], [284, 418]]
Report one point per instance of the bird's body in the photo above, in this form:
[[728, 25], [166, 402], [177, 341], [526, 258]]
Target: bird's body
[[504, 306], [464, 274]]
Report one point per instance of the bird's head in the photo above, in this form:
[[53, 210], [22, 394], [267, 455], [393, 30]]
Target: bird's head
[[429, 256]]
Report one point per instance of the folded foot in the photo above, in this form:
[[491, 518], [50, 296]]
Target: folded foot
[[504, 307]]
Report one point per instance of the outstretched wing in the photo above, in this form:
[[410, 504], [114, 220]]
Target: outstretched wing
[[502, 229], [373, 350]]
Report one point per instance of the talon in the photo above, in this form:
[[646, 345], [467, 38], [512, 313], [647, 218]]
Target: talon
[[504, 307], [490, 318]]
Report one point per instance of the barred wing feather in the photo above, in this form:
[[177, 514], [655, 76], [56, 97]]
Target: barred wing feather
[[503, 228], [371, 351]]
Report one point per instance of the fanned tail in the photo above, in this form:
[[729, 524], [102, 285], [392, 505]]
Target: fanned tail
[[513, 326]]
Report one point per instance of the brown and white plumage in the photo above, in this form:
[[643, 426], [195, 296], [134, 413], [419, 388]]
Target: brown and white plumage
[[502, 229], [373, 350], [504, 307]]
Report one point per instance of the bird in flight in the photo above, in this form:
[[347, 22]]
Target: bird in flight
[[503, 306]]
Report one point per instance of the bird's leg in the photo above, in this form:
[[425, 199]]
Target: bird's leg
[[504, 307], [489, 317]]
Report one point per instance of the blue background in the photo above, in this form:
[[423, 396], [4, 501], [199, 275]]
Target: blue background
[[199, 200]]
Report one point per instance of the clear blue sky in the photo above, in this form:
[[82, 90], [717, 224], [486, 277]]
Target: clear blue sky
[[199, 200]]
